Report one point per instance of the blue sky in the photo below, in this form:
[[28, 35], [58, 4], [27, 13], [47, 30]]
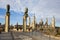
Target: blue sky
[[41, 8]]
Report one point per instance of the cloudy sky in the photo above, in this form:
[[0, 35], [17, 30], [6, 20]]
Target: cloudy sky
[[41, 8]]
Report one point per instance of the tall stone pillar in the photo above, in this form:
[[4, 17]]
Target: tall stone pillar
[[7, 19], [24, 24], [53, 22], [52, 28], [25, 20], [33, 27]]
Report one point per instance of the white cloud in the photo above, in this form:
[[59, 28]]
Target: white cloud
[[41, 8], [1, 16]]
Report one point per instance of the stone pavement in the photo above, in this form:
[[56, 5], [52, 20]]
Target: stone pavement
[[5, 36], [25, 36], [14, 36], [39, 36]]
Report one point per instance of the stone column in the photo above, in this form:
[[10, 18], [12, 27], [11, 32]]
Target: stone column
[[7, 19], [25, 20], [24, 24], [52, 29], [33, 23], [53, 22]]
